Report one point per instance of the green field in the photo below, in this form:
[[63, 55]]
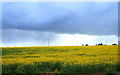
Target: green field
[[60, 59]]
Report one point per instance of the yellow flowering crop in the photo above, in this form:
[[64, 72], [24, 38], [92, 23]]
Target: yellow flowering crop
[[70, 59]]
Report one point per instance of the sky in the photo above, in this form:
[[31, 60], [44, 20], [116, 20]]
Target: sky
[[63, 23]]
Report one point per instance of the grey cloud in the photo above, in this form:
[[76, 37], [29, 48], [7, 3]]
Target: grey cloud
[[14, 36], [71, 18]]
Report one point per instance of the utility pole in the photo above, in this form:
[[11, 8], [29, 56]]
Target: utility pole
[[48, 42]]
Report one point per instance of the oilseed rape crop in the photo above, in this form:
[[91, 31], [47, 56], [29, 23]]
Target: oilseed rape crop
[[60, 59]]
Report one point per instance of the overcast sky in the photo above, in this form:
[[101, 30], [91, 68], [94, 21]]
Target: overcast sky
[[65, 24]]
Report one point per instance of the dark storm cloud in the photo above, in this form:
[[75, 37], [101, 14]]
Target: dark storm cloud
[[82, 18]]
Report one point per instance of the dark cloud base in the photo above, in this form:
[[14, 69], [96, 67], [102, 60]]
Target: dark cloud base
[[82, 18]]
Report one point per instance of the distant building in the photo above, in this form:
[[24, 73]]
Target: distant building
[[118, 42]]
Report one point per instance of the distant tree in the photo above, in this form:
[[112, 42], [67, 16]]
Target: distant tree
[[100, 44], [114, 44], [86, 45]]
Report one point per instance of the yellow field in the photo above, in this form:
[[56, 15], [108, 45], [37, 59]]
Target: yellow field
[[63, 59]]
